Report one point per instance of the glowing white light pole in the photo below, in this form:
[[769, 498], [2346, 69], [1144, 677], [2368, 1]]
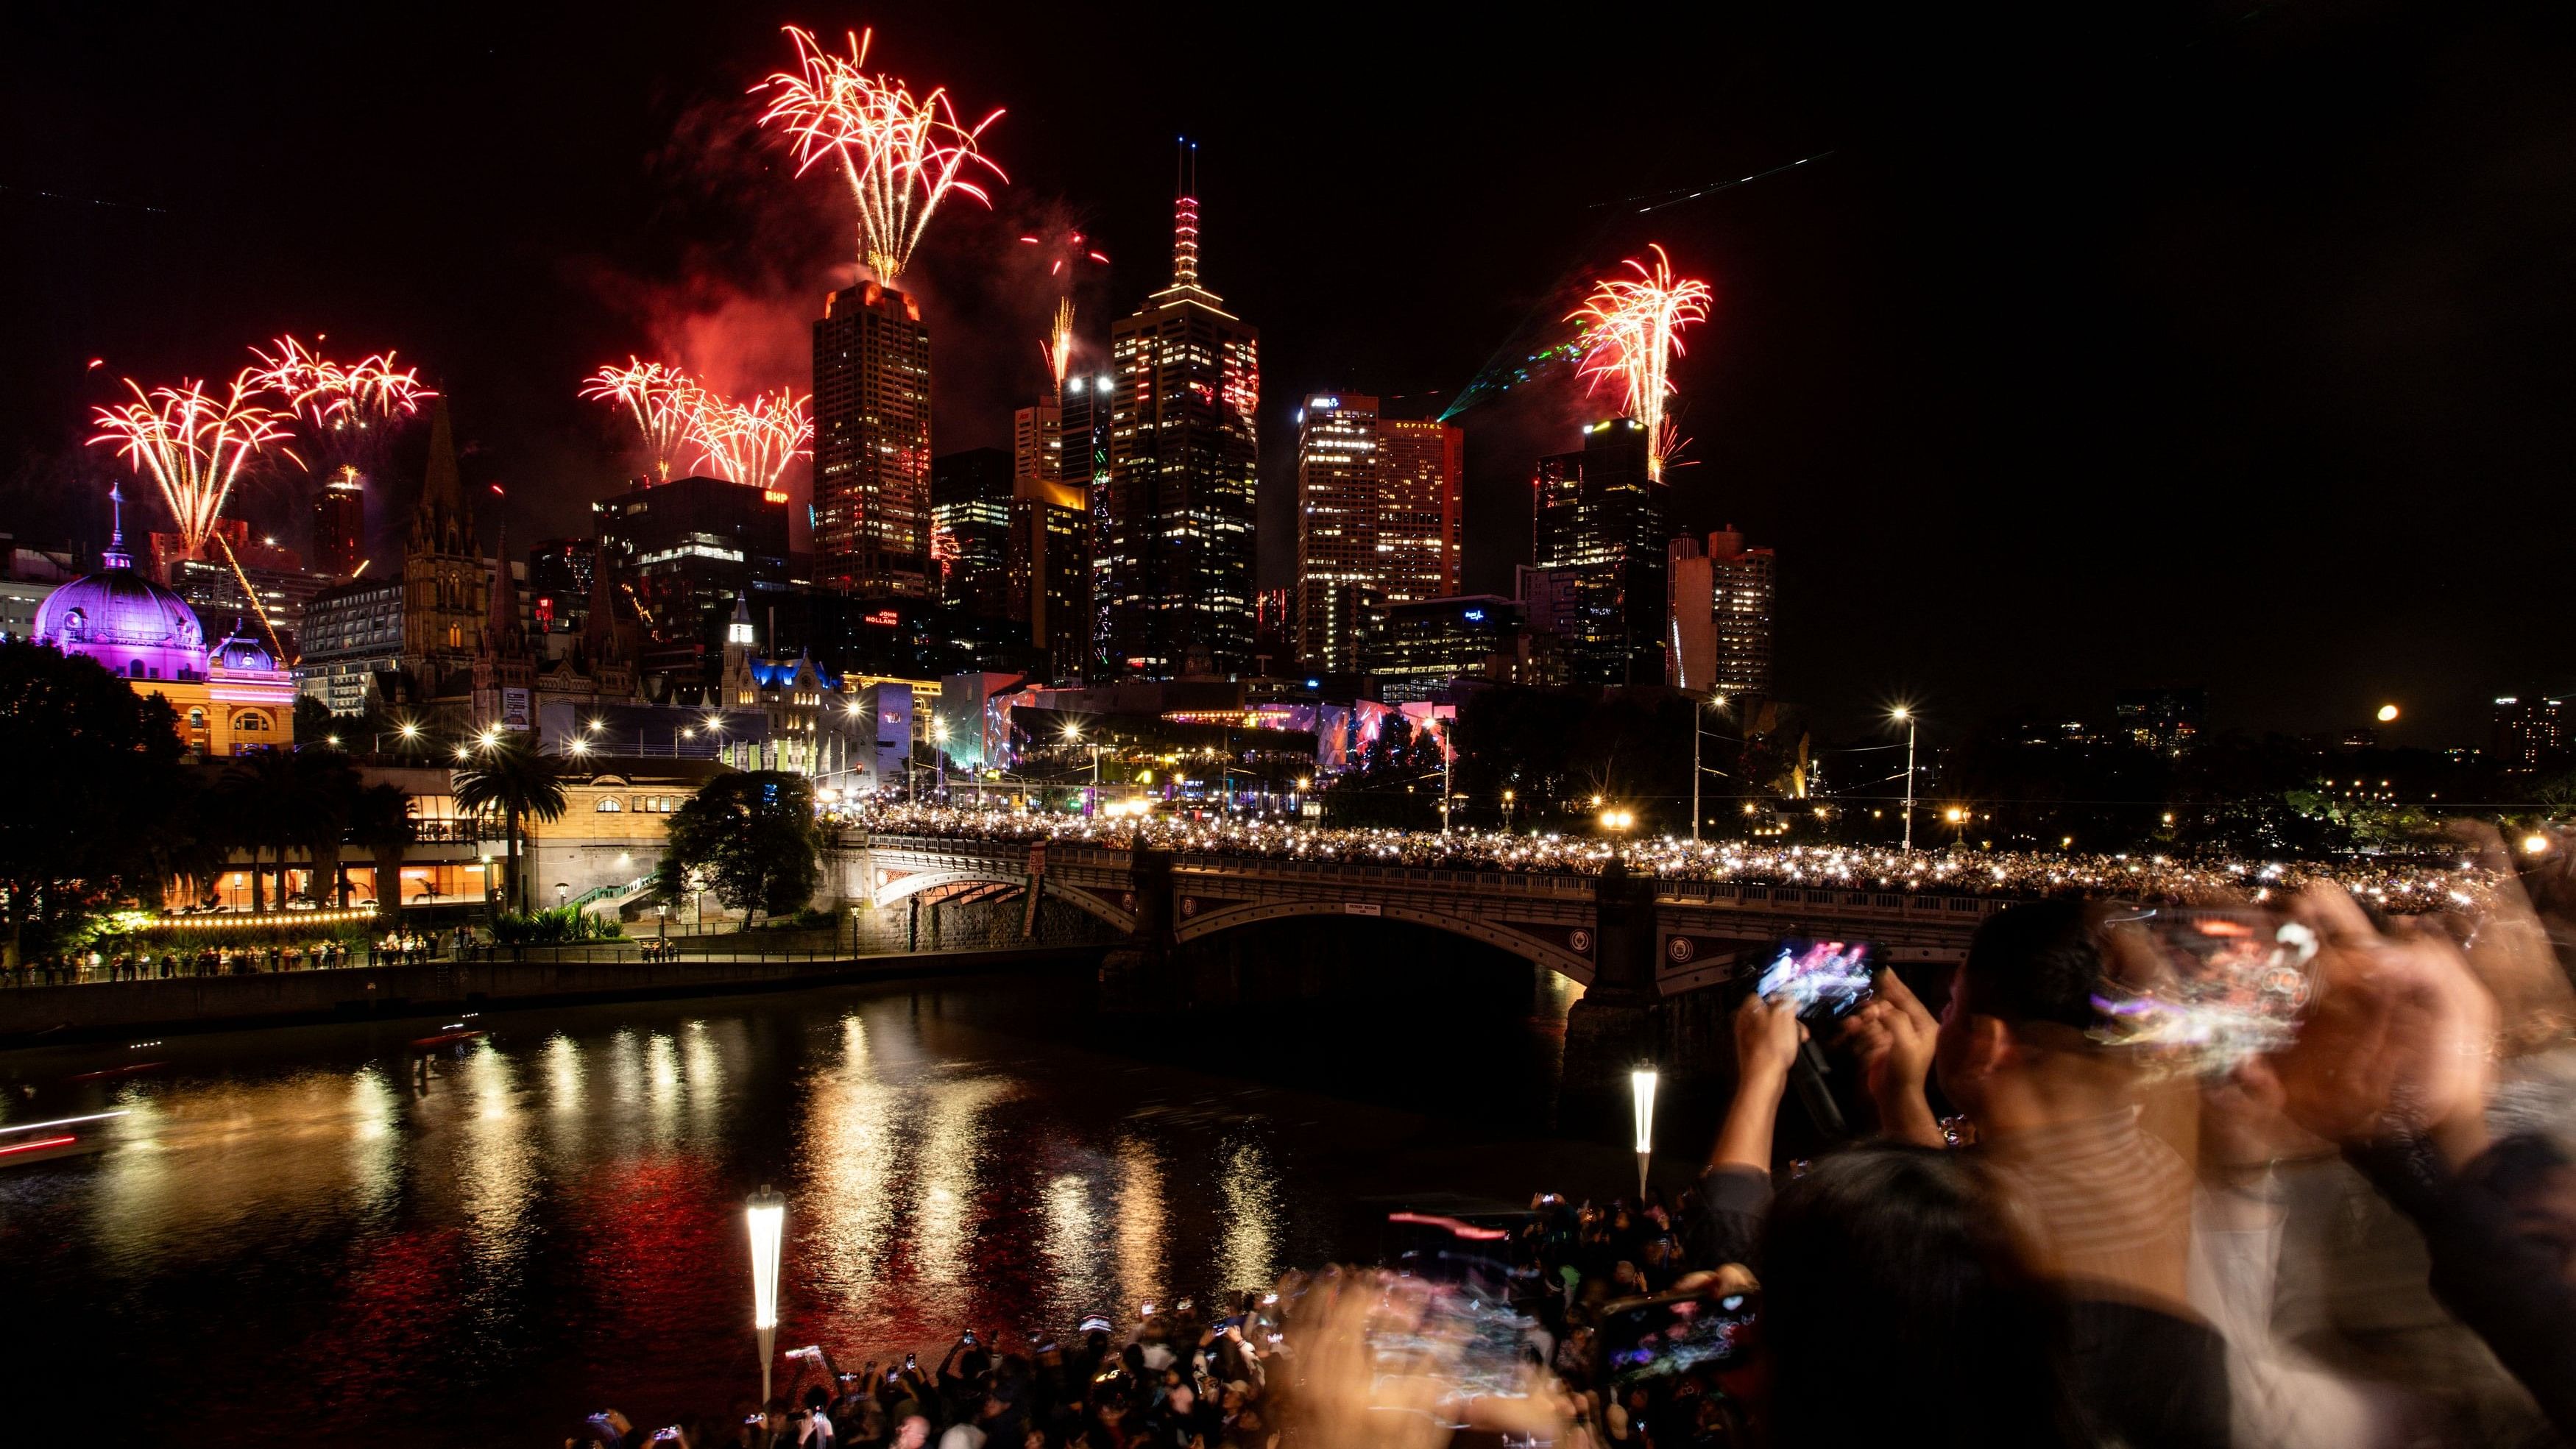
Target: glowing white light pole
[[1907, 715], [766, 1213], [1642, 1083]]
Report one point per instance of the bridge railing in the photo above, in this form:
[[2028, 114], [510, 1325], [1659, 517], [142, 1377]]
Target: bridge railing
[[1880, 902]]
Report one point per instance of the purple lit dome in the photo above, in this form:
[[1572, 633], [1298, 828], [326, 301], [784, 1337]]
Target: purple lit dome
[[125, 621]]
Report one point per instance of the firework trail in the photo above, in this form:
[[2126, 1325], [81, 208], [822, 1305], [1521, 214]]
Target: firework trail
[[193, 443], [663, 400], [1636, 328], [901, 155], [751, 442], [1071, 251], [347, 411]]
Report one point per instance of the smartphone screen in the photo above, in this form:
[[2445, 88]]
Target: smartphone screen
[[1823, 979], [1676, 1334]]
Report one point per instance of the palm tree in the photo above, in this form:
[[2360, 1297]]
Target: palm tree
[[522, 785], [328, 796], [380, 821], [265, 801]]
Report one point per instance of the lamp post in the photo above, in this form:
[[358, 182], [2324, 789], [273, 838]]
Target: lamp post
[[765, 1212], [1907, 715], [1448, 762], [1719, 701], [1641, 1083]]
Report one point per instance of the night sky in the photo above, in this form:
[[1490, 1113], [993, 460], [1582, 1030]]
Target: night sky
[[2226, 345]]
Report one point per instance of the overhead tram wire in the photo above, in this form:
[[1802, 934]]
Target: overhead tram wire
[[1508, 364]]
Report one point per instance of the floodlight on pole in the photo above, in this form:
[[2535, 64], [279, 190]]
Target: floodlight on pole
[[765, 1212], [1641, 1083]]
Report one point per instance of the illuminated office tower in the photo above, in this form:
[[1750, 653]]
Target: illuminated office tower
[[1184, 455], [971, 501], [1718, 627], [1421, 522], [1083, 411], [1600, 516], [872, 445]]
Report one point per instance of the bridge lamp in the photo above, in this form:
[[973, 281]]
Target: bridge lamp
[[408, 730], [765, 1212], [491, 736], [1641, 1085], [463, 753], [1305, 782]]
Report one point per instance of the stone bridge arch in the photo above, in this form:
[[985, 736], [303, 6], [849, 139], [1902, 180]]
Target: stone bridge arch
[[1572, 960], [892, 883]]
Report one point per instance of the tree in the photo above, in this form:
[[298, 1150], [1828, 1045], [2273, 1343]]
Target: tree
[[752, 837], [93, 800], [520, 785], [380, 823], [328, 796], [314, 722], [264, 801]]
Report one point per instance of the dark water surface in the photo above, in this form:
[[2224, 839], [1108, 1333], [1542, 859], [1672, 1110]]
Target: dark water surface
[[292, 1237]]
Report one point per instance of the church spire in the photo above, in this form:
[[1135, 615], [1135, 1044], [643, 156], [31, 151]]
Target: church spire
[[501, 627], [442, 522]]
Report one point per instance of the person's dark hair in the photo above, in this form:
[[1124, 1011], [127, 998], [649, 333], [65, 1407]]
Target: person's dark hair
[[1898, 1309], [2037, 962]]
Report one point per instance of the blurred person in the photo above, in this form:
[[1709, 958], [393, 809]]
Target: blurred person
[[1900, 1306], [2397, 1065], [2057, 1115]]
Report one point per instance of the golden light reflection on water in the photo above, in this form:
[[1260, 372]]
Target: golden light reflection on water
[[1139, 1219], [375, 1140], [1248, 1250], [495, 1164], [1077, 1259]]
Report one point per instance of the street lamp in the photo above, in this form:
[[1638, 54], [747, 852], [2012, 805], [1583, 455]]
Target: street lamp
[[1907, 715], [1717, 701], [765, 1212], [1641, 1084]]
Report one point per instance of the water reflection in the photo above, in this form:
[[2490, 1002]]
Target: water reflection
[[549, 1219]]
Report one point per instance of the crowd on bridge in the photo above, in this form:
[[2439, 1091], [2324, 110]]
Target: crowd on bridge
[[2401, 886], [2364, 1235]]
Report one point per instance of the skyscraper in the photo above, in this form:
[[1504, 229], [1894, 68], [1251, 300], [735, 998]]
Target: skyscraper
[[971, 493], [1037, 448], [872, 445], [340, 525], [1422, 465], [1599, 514], [1338, 578], [1718, 624], [1377, 521], [1184, 455], [1083, 410]]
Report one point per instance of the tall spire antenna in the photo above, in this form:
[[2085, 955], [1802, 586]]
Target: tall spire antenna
[[1185, 215], [115, 557]]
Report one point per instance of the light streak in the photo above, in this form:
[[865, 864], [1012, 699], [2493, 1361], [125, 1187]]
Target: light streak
[[66, 1121], [38, 1144], [194, 445], [1635, 330], [1071, 249], [329, 397], [901, 155], [662, 399], [751, 442]]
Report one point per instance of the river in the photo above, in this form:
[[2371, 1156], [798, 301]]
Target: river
[[296, 1235]]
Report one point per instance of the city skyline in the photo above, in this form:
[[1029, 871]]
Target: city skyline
[[1939, 508]]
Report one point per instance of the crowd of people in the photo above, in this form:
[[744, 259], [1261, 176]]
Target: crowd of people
[[2039, 1235], [143, 963], [2394, 885]]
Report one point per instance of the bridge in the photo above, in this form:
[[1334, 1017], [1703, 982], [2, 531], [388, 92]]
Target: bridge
[[1617, 935]]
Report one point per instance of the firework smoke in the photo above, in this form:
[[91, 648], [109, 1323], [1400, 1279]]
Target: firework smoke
[[194, 444], [1635, 329], [901, 155]]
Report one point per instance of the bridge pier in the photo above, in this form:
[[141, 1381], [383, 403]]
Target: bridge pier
[[1140, 975], [1612, 1030]]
